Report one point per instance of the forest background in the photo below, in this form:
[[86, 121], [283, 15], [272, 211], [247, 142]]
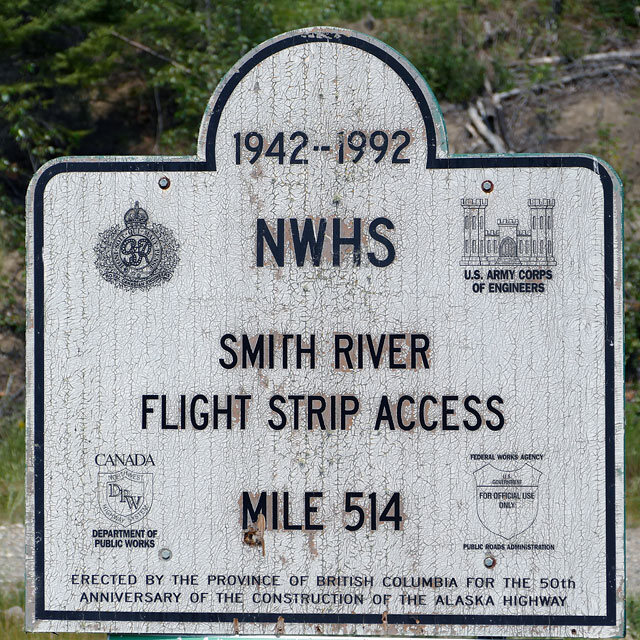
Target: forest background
[[132, 77]]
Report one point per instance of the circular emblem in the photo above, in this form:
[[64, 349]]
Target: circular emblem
[[139, 256]]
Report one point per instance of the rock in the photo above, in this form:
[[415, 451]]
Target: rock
[[14, 613]]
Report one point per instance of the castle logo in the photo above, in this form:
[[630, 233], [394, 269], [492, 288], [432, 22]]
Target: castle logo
[[125, 496], [512, 243], [140, 256]]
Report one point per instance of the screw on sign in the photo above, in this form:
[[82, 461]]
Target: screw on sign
[[321, 378]]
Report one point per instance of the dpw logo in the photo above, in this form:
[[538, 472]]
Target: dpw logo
[[125, 496], [114, 490]]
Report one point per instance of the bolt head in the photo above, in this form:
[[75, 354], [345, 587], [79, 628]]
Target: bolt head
[[487, 186], [164, 182]]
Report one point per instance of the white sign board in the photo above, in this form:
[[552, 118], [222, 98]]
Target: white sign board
[[325, 378]]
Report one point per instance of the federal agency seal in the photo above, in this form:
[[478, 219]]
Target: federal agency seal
[[140, 256]]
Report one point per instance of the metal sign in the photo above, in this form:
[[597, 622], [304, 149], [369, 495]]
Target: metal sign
[[325, 378]]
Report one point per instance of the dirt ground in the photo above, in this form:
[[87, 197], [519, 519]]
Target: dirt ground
[[600, 117]]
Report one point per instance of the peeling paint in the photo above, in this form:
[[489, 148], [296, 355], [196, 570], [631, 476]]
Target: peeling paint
[[112, 375]]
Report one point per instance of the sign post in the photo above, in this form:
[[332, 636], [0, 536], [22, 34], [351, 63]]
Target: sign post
[[324, 378]]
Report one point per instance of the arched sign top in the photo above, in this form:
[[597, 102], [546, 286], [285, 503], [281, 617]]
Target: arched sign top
[[329, 75]]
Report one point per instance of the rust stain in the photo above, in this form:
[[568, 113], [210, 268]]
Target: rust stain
[[236, 626], [254, 536], [385, 625], [236, 408], [313, 549], [420, 363], [263, 379], [280, 626], [261, 525], [250, 537], [257, 202], [415, 629]]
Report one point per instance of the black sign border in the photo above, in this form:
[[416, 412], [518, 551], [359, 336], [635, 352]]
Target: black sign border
[[433, 162]]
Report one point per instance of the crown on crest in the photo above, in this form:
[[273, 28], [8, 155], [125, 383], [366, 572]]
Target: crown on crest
[[136, 216]]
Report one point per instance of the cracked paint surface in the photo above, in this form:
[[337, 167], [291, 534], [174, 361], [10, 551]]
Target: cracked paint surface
[[542, 353]]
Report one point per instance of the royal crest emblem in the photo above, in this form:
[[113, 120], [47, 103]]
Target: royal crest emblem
[[507, 501], [125, 496], [140, 256]]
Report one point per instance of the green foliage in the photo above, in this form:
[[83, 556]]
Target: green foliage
[[632, 454], [12, 465], [89, 77], [353, 10], [444, 48], [570, 43], [619, 10], [608, 147], [540, 74], [633, 616], [632, 292], [11, 305], [503, 76]]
